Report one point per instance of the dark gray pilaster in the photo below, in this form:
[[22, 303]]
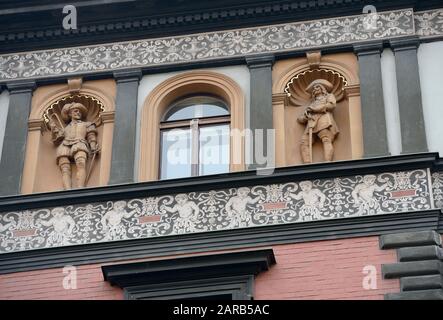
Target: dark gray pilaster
[[123, 143], [375, 140], [16, 132], [260, 113], [413, 133]]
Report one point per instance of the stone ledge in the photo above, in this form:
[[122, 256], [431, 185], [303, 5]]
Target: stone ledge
[[421, 283], [410, 239], [416, 295], [416, 268], [420, 253]]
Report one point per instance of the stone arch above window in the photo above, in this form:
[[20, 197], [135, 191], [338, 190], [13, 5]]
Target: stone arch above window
[[184, 85]]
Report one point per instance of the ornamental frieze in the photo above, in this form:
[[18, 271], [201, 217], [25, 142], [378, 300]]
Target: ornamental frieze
[[429, 23], [216, 210], [207, 46]]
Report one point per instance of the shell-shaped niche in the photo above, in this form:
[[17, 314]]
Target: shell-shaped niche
[[95, 108], [296, 87]]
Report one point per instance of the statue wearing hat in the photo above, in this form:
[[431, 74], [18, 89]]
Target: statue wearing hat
[[319, 120], [76, 141]]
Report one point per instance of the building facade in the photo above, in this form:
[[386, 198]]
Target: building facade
[[227, 149]]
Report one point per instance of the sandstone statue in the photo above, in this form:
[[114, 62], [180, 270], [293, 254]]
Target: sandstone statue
[[76, 141], [319, 121]]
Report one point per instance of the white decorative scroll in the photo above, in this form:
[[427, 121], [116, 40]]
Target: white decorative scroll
[[216, 210], [429, 24]]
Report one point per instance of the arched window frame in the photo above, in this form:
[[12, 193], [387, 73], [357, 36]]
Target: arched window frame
[[164, 94]]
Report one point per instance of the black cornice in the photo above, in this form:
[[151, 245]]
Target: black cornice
[[40, 25], [189, 268], [220, 181]]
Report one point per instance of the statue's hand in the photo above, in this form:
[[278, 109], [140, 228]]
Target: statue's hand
[[302, 119], [95, 148]]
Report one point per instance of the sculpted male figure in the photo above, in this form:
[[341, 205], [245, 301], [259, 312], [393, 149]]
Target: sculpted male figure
[[75, 143], [319, 120]]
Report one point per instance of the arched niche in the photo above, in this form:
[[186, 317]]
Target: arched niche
[[174, 88], [290, 79], [41, 173]]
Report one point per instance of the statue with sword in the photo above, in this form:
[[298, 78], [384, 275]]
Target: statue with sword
[[319, 120], [76, 142]]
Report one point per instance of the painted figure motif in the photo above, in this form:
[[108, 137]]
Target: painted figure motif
[[236, 208], [363, 195], [112, 221], [187, 213], [313, 199], [63, 226]]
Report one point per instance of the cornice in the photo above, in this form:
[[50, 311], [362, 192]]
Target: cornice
[[204, 47]]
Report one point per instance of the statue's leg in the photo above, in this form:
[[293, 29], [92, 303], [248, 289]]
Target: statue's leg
[[305, 148], [327, 137], [80, 161], [65, 167]]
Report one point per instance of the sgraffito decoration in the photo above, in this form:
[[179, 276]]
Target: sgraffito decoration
[[216, 210], [205, 46], [429, 24]]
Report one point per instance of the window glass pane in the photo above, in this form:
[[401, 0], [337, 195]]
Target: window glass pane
[[176, 154], [214, 149], [196, 107]]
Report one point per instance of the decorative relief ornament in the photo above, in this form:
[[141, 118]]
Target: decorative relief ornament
[[75, 138]]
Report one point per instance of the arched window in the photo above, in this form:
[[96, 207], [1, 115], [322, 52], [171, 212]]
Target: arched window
[[195, 135]]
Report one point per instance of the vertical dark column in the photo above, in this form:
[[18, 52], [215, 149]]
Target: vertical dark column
[[375, 140], [123, 143], [16, 132], [260, 112], [413, 134]]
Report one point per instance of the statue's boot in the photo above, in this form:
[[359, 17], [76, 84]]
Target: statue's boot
[[80, 161], [328, 149], [305, 150], [65, 168]]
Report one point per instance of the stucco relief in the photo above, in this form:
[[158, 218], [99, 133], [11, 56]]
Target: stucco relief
[[215, 210], [69, 139], [76, 141]]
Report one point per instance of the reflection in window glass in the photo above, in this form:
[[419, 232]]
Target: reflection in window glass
[[196, 107], [176, 154], [214, 149]]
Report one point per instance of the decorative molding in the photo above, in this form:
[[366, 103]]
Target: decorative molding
[[204, 46], [429, 24], [167, 92], [216, 210], [216, 241]]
